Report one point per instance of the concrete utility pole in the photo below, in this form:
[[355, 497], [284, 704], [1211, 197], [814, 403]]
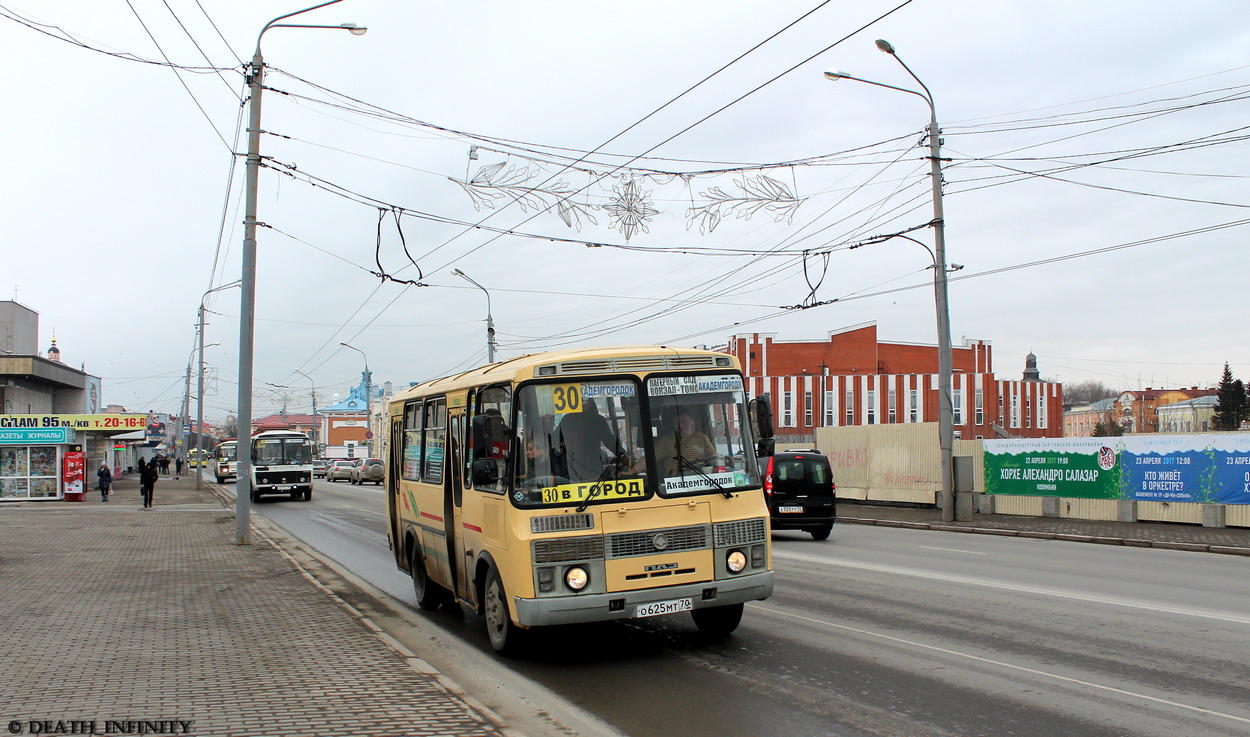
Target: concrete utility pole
[[946, 429], [199, 403], [247, 301], [316, 420], [490, 321]]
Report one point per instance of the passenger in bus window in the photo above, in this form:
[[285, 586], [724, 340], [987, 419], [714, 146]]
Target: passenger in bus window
[[686, 442], [538, 466], [586, 440]]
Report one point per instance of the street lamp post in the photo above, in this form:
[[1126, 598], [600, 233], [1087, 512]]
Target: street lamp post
[[946, 428], [368, 396], [199, 404], [490, 322], [313, 388], [247, 302]]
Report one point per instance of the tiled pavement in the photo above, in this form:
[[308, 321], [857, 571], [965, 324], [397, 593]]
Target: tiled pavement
[[112, 612]]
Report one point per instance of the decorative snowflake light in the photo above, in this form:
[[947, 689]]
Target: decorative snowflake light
[[630, 209]]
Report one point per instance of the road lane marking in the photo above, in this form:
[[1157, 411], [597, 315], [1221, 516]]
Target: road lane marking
[[999, 663], [953, 550], [1021, 589]]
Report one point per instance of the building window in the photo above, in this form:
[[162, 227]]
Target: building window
[[980, 400], [1015, 410], [1041, 410], [850, 407], [807, 409], [892, 410], [870, 409], [957, 406], [913, 408], [787, 409], [829, 409]]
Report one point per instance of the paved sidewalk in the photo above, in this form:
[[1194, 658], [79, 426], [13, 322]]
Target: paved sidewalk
[[142, 620], [1230, 540]]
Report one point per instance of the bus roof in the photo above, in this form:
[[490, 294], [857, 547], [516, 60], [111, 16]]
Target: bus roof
[[578, 362]]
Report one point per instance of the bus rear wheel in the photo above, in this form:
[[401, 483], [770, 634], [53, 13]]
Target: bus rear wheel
[[505, 637], [430, 596], [718, 621]]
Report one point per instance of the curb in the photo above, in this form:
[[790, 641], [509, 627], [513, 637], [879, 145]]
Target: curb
[[1066, 537]]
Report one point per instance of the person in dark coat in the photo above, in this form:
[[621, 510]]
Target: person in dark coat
[[178, 466], [147, 482], [106, 480]]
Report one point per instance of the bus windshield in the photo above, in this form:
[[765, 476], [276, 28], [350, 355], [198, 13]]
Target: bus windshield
[[282, 452], [698, 428], [225, 452], [579, 441]]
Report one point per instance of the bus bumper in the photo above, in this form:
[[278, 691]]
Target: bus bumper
[[624, 604]]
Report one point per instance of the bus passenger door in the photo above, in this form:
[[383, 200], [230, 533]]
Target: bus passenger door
[[453, 498], [394, 472]]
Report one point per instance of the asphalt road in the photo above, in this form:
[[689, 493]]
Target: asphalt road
[[878, 631]]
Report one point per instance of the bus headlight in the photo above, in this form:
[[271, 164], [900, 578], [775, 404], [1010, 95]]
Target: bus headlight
[[736, 561], [576, 578]]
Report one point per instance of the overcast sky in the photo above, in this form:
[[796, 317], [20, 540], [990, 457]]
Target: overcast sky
[[121, 207]]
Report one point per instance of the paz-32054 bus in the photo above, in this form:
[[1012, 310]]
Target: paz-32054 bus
[[581, 486]]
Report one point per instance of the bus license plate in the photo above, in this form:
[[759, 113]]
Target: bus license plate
[[789, 509], [664, 607], [283, 488]]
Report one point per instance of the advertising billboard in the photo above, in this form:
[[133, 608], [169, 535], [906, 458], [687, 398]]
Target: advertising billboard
[[1206, 468]]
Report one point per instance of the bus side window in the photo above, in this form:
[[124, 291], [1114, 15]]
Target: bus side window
[[491, 439]]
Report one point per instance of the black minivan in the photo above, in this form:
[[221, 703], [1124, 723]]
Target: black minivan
[[801, 495]]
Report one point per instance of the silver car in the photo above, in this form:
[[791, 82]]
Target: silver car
[[340, 469], [370, 469]]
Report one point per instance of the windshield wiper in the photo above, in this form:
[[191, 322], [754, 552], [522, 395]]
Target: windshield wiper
[[594, 489], [686, 462]]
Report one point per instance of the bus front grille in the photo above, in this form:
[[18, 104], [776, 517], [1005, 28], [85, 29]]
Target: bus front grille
[[650, 542], [562, 523], [564, 549], [741, 532]]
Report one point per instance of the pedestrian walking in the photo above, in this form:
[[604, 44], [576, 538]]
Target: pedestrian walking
[[139, 468], [178, 466], [147, 482], [164, 465], [106, 480]]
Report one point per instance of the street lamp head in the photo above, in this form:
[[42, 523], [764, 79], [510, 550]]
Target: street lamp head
[[885, 46], [210, 345], [355, 29], [457, 272], [833, 75]]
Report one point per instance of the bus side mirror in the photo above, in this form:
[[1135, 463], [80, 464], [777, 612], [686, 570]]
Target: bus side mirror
[[761, 412], [485, 472]]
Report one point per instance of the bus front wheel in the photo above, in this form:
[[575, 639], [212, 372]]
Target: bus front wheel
[[718, 621], [430, 596], [505, 637]]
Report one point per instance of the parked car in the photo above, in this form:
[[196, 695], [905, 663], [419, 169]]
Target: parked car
[[801, 495], [370, 469], [319, 468], [340, 469]]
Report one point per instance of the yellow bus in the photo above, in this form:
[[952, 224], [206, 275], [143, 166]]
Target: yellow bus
[[197, 458], [580, 486]]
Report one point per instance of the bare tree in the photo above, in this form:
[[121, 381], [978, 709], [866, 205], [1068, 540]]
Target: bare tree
[[1087, 392]]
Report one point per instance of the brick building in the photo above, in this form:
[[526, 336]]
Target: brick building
[[852, 378], [1137, 412]]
